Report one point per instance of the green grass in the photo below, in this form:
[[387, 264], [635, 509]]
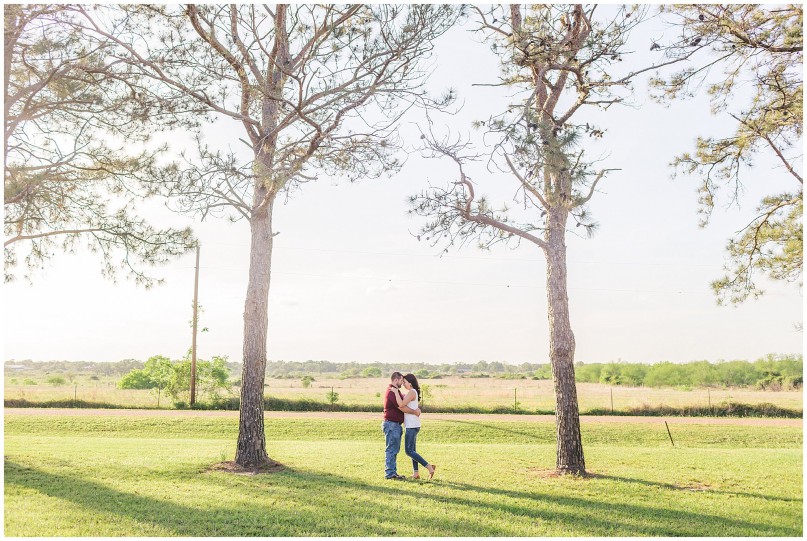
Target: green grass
[[148, 476]]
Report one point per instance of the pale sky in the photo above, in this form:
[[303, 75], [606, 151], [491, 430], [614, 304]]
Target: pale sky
[[350, 283]]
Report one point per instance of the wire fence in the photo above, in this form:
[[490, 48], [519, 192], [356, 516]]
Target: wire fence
[[518, 395]]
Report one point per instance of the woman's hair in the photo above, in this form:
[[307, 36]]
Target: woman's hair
[[414, 381]]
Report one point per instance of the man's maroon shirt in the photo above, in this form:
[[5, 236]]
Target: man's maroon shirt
[[391, 411]]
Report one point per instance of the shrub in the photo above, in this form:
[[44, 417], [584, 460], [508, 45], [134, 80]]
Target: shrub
[[28, 381], [56, 380], [161, 374], [371, 372], [136, 379], [306, 381], [332, 397]]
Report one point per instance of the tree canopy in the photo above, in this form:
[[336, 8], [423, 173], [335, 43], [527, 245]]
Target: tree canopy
[[732, 48], [75, 148]]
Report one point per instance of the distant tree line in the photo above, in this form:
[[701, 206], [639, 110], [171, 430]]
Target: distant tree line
[[772, 372], [116, 368], [294, 369]]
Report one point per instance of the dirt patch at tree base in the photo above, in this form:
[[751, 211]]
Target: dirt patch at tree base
[[231, 466], [552, 473]]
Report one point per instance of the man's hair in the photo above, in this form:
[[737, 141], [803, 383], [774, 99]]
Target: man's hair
[[396, 375]]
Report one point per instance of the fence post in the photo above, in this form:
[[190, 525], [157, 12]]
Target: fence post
[[670, 433]]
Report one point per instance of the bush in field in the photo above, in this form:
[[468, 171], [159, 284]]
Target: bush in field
[[136, 379], [666, 373], [610, 374], [371, 372], [28, 381], [332, 397], [211, 379], [306, 381], [56, 380], [585, 373], [349, 373], [633, 374], [425, 393], [174, 377]]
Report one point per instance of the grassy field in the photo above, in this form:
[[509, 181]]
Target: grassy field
[[487, 392], [151, 476]]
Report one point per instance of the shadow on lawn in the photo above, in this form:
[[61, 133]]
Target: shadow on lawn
[[671, 486], [352, 507], [625, 519], [535, 437]]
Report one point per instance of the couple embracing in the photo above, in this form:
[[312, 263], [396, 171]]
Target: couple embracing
[[400, 408]]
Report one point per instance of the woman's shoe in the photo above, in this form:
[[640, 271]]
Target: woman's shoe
[[431, 468], [415, 475]]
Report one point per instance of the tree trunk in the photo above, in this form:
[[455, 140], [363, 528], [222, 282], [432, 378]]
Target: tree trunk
[[251, 450], [561, 350]]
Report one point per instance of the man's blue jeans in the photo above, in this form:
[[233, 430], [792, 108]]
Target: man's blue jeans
[[392, 433]]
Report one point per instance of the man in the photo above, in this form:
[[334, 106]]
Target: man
[[392, 425]]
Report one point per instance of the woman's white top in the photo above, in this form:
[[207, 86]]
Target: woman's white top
[[411, 420]]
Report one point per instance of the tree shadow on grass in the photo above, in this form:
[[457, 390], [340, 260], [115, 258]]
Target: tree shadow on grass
[[534, 437], [315, 507], [671, 486], [658, 522], [354, 507]]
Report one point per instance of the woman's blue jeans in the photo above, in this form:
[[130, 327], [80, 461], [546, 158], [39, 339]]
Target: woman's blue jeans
[[410, 442]]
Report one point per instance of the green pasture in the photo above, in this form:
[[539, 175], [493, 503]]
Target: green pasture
[[150, 476]]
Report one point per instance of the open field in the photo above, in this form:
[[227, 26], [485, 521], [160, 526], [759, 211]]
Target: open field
[[149, 475], [374, 416], [532, 395]]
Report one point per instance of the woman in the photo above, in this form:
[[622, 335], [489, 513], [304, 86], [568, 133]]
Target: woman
[[412, 424]]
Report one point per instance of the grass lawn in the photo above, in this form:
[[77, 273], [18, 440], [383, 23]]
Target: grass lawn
[[148, 476]]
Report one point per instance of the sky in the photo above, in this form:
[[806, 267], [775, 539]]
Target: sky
[[350, 281]]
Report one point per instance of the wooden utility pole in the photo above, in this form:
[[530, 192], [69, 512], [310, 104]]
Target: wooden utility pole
[[193, 346]]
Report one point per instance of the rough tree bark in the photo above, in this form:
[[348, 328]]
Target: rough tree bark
[[251, 446], [561, 349]]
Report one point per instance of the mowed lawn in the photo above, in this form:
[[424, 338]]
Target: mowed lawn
[[150, 476]]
